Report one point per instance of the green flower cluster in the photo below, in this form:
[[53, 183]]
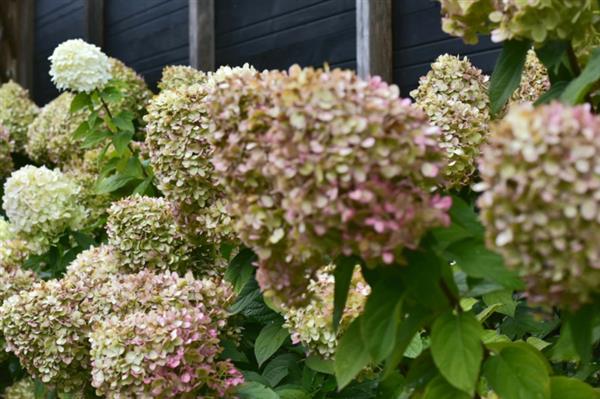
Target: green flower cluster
[[134, 91], [22, 389], [534, 81], [536, 20], [17, 112], [180, 76], [311, 325], [180, 154], [50, 136], [6, 162], [41, 204], [540, 206], [162, 353], [317, 163], [454, 96], [144, 232]]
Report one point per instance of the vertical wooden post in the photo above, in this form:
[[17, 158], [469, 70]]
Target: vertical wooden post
[[25, 46], [202, 34], [94, 22], [374, 38]]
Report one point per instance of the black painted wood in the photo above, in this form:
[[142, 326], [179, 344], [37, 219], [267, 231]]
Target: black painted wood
[[55, 22], [419, 40], [147, 35], [277, 34]]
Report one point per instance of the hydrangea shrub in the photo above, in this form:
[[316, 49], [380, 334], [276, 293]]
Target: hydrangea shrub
[[321, 162], [17, 112], [6, 162], [539, 175]]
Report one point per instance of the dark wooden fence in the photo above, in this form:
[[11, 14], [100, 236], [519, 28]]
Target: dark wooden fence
[[149, 34]]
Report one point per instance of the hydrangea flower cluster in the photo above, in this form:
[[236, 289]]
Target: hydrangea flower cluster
[[163, 353], [143, 230], [79, 66], [13, 252], [318, 163], [311, 325], [22, 389], [50, 136], [535, 20], [180, 76], [17, 112], [177, 141], [5, 233], [534, 81], [41, 204], [6, 162], [134, 91], [540, 206], [454, 96], [47, 332], [84, 171]]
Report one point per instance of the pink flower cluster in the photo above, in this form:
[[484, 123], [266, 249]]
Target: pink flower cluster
[[318, 163]]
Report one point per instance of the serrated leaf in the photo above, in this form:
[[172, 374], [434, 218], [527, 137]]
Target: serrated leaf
[[571, 388], [415, 347], [516, 373], [95, 137], [438, 388], [351, 355], [476, 260], [112, 183], [80, 101], [319, 364], [380, 320], [256, 390], [241, 268], [269, 340], [581, 86], [82, 131], [505, 299], [249, 293], [457, 349], [344, 267], [111, 94], [278, 368], [507, 73], [121, 141]]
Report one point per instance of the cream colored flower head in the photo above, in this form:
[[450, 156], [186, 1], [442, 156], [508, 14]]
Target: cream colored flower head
[[79, 66]]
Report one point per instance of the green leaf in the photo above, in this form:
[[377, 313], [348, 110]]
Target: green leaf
[[256, 390], [438, 388], [288, 392], [476, 260], [380, 319], [507, 73], [571, 388], [552, 53], [278, 368], [554, 93], [351, 355], [415, 347], [270, 338], [81, 131], [581, 86], [517, 373], [95, 137], [344, 267], [84, 240], [111, 94], [240, 269], [581, 324], [124, 122], [457, 349], [142, 188], [406, 331], [464, 215], [319, 364], [80, 101], [249, 293], [134, 168], [505, 299], [112, 183], [121, 141]]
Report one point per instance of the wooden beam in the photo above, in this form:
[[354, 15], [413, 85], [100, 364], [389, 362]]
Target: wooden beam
[[374, 38], [25, 35], [202, 34], [94, 22]]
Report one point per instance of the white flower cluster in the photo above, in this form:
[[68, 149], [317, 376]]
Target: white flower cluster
[[41, 204], [79, 66]]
